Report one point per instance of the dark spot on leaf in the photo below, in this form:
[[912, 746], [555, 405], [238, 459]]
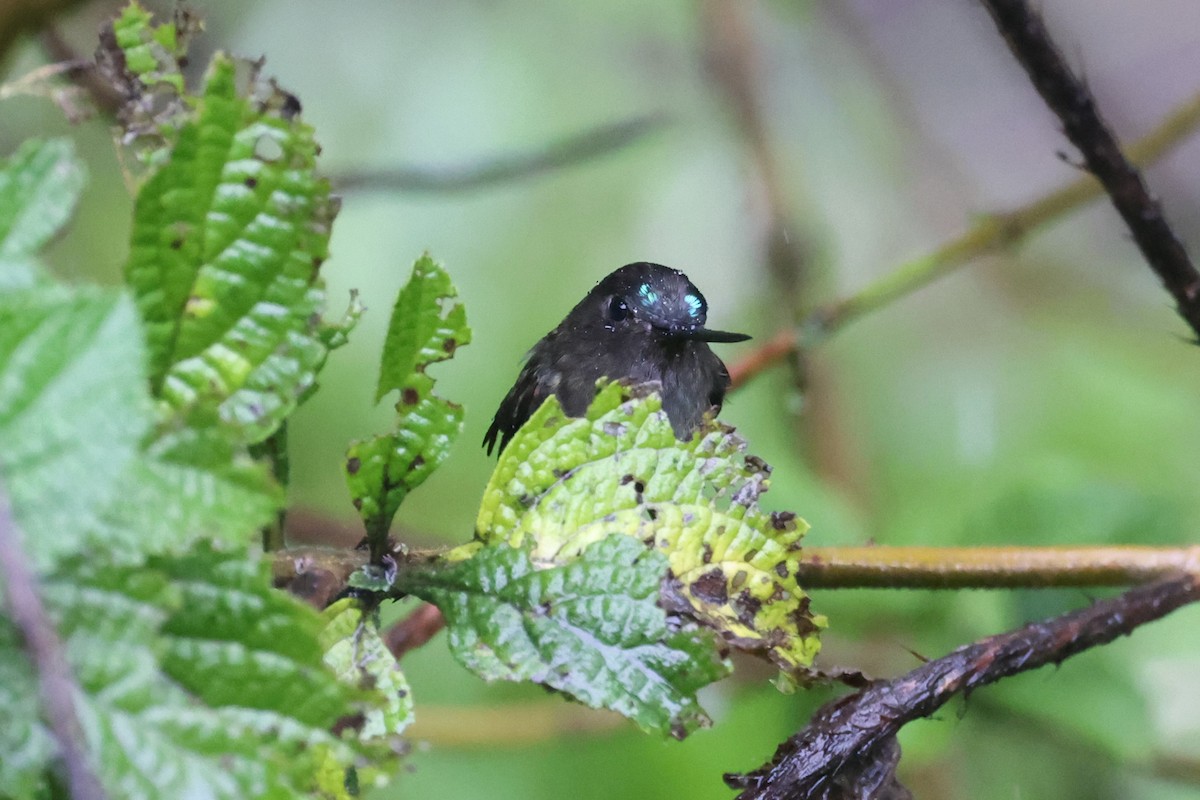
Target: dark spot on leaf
[[707, 554], [410, 396], [353, 464], [526, 500], [750, 554], [781, 569], [614, 428], [290, 107], [739, 579], [626, 479], [757, 464], [251, 182], [353, 722], [748, 607], [177, 243], [688, 518], [639, 487], [783, 520], [652, 514], [610, 517], [747, 493], [449, 345], [711, 587], [417, 462], [803, 622]]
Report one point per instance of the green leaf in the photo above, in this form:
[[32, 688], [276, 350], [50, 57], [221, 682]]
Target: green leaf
[[564, 483], [424, 330], [152, 52], [39, 186], [357, 654], [197, 679], [227, 239], [73, 407], [427, 326], [590, 628]]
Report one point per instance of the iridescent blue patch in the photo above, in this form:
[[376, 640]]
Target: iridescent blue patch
[[648, 295], [695, 305]]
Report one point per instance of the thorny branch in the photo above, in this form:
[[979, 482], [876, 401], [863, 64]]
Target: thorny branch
[[56, 686], [1072, 102], [854, 736]]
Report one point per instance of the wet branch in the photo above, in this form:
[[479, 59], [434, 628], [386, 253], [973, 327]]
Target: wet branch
[[1069, 98], [850, 742]]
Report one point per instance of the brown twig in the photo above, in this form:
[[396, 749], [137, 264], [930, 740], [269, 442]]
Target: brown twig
[[56, 686], [1069, 98], [844, 737], [570, 151], [414, 630]]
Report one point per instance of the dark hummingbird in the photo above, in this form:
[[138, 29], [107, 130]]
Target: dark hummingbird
[[642, 323]]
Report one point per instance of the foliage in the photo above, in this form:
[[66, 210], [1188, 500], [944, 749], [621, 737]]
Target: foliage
[[563, 484], [127, 417], [424, 329], [590, 628]]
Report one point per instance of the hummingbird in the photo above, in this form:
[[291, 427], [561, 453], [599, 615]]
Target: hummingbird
[[642, 323]]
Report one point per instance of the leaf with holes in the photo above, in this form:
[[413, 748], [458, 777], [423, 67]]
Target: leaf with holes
[[590, 628], [357, 654], [427, 326], [228, 236], [564, 483]]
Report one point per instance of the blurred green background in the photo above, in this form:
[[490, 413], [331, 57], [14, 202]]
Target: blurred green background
[[1046, 396]]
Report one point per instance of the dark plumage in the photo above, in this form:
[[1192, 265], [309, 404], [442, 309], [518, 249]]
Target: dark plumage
[[644, 322]]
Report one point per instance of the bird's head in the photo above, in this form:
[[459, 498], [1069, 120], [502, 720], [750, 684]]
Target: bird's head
[[656, 300]]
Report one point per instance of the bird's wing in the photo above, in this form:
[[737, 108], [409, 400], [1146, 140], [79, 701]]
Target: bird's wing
[[521, 401]]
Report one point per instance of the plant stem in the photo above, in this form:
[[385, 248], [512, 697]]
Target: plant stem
[[989, 567], [990, 233]]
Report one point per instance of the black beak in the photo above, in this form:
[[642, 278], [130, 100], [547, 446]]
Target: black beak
[[707, 335]]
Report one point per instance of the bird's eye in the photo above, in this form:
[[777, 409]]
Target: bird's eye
[[617, 310]]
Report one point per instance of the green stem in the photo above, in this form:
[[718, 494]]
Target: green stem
[[997, 231], [989, 567]]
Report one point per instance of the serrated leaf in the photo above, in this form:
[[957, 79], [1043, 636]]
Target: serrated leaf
[[160, 722], [381, 471], [424, 330], [590, 628], [73, 407], [39, 187], [227, 239], [564, 483], [427, 326], [359, 657]]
